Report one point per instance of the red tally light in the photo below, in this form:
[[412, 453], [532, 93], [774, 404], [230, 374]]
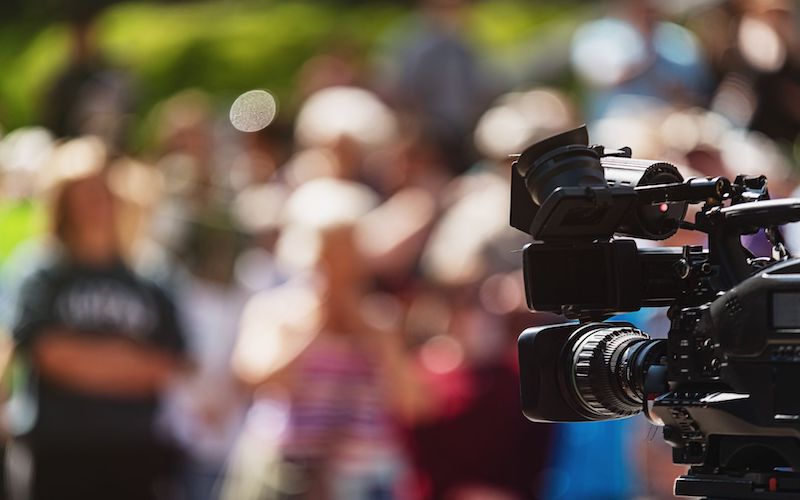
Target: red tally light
[[663, 208]]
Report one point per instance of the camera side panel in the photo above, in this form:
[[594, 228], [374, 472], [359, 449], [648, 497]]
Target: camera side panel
[[540, 353]]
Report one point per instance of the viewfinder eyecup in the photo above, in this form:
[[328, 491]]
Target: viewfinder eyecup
[[562, 160]]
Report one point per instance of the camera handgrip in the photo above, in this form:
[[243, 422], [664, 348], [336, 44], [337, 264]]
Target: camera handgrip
[[726, 226], [766, 213]]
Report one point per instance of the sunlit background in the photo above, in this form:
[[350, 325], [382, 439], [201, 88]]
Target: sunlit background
[[320, 189]]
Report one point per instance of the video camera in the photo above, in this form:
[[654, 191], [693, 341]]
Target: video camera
[[725, 383]]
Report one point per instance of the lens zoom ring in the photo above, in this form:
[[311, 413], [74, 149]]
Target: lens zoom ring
[[594, 371]]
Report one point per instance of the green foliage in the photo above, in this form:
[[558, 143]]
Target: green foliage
[[30, 57], [19, 221], [227, 47], [505, 24]]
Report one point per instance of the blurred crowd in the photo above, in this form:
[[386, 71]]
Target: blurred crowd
[[328, 308]]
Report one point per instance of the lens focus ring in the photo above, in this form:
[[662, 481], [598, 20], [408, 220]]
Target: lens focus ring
[[599, 371]]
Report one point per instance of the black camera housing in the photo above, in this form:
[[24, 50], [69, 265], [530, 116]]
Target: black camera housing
[[724, 381]]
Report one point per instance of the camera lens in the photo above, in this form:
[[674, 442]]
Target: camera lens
[[604, 365]]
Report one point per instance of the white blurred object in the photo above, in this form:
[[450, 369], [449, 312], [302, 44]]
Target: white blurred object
[[74, 159], [685, 130], [317, 205], [256, 270], [135, 182], [633, 121], [206, 409], [735, 99], [639, 134], [345, 111], [454, 254], [501, 131], [521, 118], [310, 164], [23, 153], [680, 130], [753, 153], [259, 208], [760, 45], [391, 236], [25, 148], [328, 202], [607, 51], [275, 327], [253, 110], [297, 248]]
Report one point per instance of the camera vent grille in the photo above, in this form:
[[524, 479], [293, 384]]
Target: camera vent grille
[[734, 307]]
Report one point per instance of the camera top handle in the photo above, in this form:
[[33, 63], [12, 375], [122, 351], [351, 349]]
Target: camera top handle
[[725, 226], [751, 209]]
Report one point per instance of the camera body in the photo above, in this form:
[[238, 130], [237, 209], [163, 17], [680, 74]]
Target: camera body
[[724, 383]]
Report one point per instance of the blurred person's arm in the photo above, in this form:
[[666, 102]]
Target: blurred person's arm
[[97, 363], [102, 365], [275, 328], [392, 236], [408, 396]]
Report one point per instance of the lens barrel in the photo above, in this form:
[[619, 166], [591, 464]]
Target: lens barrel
[[604, 367]]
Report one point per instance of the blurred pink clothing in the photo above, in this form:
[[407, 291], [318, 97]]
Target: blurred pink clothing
[[338, 406]]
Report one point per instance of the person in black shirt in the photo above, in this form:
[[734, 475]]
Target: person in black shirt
[[97, 344], [89, 95]]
